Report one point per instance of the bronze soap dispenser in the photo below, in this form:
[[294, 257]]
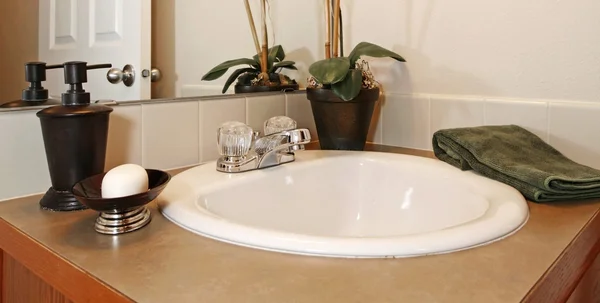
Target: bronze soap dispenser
[[35, 94], [75, 135]]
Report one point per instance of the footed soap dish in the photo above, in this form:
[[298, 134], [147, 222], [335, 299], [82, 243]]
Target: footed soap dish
[[123, 214]]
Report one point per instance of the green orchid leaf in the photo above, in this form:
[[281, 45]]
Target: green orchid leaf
[[350, 87], [257, 59], [275, 51], [222, 68], [370, 49], [275, 54], [283, 64], [330, 71], [234, 76]]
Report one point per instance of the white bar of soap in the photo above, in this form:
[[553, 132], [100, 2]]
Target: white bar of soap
[[124, 180]]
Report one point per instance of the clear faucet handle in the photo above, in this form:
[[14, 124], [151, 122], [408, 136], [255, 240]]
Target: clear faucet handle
[[234, 139], [279, 124]]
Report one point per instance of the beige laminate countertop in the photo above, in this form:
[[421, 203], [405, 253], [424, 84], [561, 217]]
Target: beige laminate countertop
[[165, 263]]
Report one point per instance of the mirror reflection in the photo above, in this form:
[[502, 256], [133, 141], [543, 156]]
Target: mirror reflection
[[453, 48], [157, 49], [168, 49]]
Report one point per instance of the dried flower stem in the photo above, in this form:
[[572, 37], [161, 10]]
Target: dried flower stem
[[336, 28], [265, 47], [252, 26], [341, 33], [327, 29]]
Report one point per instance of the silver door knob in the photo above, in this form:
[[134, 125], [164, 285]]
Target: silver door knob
[[126, 75], [155, 74]]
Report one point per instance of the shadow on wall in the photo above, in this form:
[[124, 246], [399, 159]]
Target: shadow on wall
[[575, 150], [431, 77], [298, 42], [163, 47], [302, 57]]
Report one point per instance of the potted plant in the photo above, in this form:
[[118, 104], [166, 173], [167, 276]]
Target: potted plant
[[262, 72], [342, 90]]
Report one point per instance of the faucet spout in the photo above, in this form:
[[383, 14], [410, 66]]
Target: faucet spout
[[284, 140], [278, 148], [270, 150]]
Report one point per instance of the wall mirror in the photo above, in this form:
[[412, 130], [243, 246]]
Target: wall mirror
[[173, 42], [458, 48]]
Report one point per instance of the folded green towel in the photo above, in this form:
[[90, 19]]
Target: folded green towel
[[513, 155]]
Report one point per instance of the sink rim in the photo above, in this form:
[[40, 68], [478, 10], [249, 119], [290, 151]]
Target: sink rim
[[182, 210]]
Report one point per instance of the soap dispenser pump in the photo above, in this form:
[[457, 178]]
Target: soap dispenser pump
[[35, 94], [75, 135]]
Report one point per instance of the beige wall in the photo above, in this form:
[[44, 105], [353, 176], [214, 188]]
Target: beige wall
[[508, 49], [163, 47], [18, 44]]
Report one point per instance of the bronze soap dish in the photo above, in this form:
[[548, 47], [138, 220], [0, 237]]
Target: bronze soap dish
[[123, 214]]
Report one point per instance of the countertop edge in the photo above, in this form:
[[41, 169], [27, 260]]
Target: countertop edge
[[54, 269], [561, 279]]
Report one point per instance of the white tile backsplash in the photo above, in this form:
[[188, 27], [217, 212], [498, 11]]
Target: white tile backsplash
[[170, 134], [124, 136], [23, 166], [575, 131], [182, 133], [453, 112], [261, 108], [213, 113], [531, 115], [297, 107], [406, 121]]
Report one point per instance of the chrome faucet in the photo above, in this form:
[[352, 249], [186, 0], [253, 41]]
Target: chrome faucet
[[243, 149]]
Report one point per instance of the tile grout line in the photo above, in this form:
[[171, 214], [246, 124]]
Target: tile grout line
[[200, 129], [381, 130], [246, 115], [140, 139], [548, 115], [430, 139], [142, 154], [485, 118], [429, 120]]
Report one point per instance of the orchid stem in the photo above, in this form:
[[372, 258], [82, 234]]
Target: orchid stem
[[341, 33], [265, 47], [336, 28], [327, 29], [252, 26]]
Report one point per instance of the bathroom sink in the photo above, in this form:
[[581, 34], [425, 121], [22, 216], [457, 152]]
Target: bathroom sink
[[346, 204]]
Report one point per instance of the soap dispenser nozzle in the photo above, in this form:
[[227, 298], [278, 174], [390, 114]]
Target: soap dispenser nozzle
[[35, 94], [35, 73], [75, 76]]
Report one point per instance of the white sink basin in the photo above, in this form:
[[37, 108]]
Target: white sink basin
[[346, 204]]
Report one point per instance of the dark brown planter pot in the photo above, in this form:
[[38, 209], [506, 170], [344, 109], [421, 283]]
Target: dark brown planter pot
[[243, 89], [342, 125]]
